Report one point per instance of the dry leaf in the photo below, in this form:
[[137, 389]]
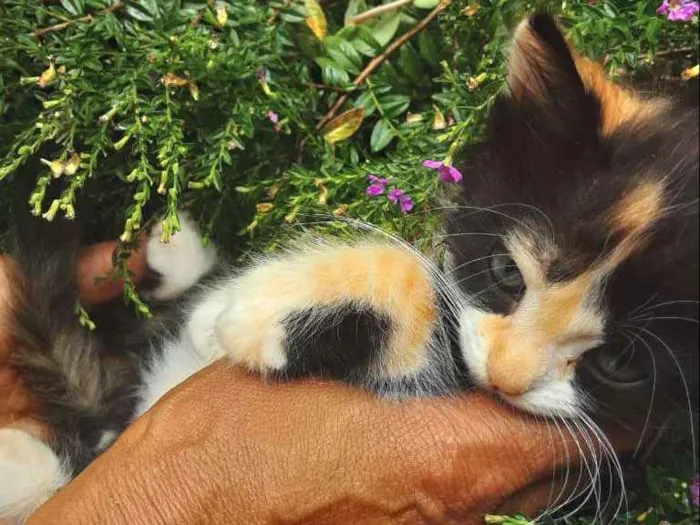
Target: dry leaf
[[316, 19], [221, 14], [471, 9], [343, 126], [194, 90], [292, 215], [271, 192], [439, 120], [691, 72], [412, 118], [171, 79], [72, 165], [474, 82], [323, 195], [47, 76], [264, 207], [57, 167], [341, 210]]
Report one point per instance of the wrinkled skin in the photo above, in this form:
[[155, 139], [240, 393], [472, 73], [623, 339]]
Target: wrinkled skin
[[225, 447]]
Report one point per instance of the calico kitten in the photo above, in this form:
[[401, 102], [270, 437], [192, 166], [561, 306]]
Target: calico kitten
[[570, 288]]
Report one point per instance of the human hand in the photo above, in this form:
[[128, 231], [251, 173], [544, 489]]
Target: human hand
[[226, 447]]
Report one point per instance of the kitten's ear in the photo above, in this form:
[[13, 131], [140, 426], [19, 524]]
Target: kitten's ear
[[546, 104], [541, 67]]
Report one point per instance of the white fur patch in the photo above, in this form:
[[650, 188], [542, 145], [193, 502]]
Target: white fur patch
[[472, 345], [195, 348], [180, 262], [30, 473]]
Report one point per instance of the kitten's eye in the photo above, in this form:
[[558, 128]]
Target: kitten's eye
[[621, 366], [506, 274]]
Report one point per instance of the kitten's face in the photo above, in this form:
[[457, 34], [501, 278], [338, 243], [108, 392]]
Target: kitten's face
[[578, 225]]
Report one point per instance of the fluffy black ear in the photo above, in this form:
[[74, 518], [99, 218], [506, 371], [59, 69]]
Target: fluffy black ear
[[546, 109]]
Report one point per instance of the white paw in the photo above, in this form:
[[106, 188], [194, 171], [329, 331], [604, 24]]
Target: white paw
[[180, 262], [30, 473], [252, 337]]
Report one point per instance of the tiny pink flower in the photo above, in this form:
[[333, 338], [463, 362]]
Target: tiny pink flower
[[374, 190], [679, 10], [395, 195], [374, 179], [695, 491], [399, 197], [262, 74], [274, 117], [448, 173], [406, 203], [377, 185]]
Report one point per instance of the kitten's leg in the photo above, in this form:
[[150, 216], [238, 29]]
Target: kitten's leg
[[30, 473], [364, 313], [181, 262]]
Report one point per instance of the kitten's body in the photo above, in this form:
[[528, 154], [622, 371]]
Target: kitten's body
[[579, 219]]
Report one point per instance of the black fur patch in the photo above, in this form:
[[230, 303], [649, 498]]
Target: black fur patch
[[335, 342]]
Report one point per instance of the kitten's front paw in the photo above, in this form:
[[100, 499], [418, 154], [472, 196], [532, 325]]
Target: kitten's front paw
[[30, 473], [181, 262], [252, 337]]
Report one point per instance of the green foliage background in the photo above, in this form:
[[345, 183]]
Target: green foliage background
[[150, 106]]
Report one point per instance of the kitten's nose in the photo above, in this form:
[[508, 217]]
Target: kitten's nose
[[512, 372]]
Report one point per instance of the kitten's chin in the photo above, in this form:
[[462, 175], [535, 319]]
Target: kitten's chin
[[551, 399]]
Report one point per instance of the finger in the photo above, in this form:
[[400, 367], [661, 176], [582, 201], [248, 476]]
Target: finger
[[540, 496], [96, 261]]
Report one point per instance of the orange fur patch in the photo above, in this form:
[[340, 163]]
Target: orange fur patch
[[618, 105], [633, 217], [390, 279]]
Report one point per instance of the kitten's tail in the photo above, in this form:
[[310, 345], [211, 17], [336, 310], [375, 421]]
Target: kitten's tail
[[62, 364], [59, 360]]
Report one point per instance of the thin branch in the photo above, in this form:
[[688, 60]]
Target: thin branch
[[677, 51], [380, 59], [38, 33], [379, 10]]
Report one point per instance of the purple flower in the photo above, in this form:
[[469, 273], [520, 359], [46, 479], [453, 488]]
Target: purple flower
[[395, 195], [377, 185], [448, 173], [406, 203], [377, 180], [274, 117], [695, 491], [399, 197], [373, 190], [679, 10], [262, 75]]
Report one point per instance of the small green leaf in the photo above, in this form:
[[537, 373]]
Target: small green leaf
[[74, 7], [382, 135], [426, 4], [428, 48], [354, 7], [386, 28], [365, 101], [394, 105], [410, 63], [143, 10]]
